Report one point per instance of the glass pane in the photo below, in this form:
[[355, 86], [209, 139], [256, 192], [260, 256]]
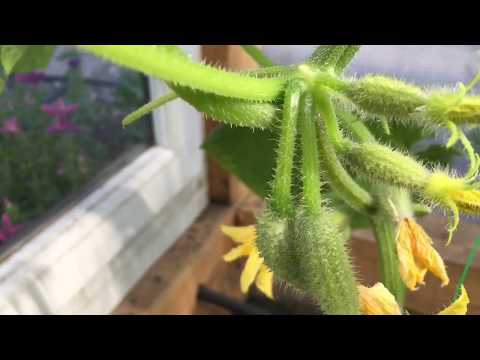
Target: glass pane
[[60, 132]]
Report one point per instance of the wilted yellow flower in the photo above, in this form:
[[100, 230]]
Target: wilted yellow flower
[[377, 300], [417, 256], [459, 306], [255, 270]]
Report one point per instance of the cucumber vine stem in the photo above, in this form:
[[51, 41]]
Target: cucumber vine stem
[[147, 108], [282, 183], [468, 265], [310, 160], [384, 230], [329, 137], [257, 55], [384, 227]]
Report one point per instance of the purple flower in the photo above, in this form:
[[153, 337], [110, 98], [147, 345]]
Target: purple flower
[[8, 229], [74, 63], [31, 78], [62, 125], [59, 109], [11, 126], [7, 204]]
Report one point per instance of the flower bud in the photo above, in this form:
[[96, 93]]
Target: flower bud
[[445, 107], [455, 194], [449, 191]]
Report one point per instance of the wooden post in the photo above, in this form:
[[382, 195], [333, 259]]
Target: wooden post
[[224, 188]]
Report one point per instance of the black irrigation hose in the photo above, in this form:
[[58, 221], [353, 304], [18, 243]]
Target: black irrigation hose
[[210, 296]]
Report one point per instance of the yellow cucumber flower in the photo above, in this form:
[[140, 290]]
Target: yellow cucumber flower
[[457, 108], [459, 306], [456, 194], [468, 201], [417, 256], [377, 300], [255, 270]]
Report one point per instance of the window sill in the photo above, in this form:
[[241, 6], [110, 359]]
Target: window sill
[[88, 259]]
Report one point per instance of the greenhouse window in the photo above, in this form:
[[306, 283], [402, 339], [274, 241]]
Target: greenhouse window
[[80, 194]]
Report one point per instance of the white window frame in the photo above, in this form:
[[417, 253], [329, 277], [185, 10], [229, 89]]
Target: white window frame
[[87, 260]]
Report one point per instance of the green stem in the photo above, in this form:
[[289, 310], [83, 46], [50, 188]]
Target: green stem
[[327, 112], [384, 230], [282, 183], [356, 127], [321, 79], [346, 58], [148, 108], [310, 161], [257, 55], [340, 180], [170, 64], [384, 227], [278, 71], [466, 270]]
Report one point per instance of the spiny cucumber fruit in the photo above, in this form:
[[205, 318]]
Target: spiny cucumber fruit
[[310, 254], [380, 95], [377, 163]]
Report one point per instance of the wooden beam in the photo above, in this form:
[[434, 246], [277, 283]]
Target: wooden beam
[[224, 188]]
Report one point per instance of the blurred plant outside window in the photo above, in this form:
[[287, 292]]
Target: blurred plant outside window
[[141, 186], [60, 129]]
